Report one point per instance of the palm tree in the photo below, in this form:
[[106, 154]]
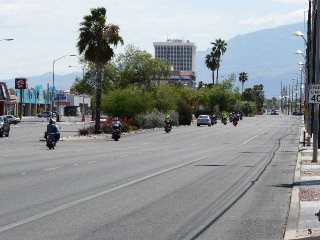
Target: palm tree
[[243, 77], [212, 62], [95, 41], [220, 48]]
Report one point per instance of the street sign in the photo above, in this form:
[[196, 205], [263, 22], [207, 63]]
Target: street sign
[[21, 83], [314, 93]]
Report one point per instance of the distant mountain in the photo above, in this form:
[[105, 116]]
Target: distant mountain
[[62, 82], [266, 55]]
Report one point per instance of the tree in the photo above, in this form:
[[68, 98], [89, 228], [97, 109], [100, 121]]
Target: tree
[[220, 47], [243, 77], [258, 94], [95, 43], [212, 62], [140, 68]]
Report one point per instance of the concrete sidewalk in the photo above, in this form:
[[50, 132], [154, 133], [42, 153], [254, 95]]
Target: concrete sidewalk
[[305, 199]]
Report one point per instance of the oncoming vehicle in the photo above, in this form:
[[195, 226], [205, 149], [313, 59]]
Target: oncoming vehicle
[[204, 120], [4, 126]]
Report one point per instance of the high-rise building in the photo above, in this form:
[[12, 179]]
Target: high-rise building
[[181, 55]]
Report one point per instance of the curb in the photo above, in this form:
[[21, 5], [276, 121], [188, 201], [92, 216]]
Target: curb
[[294, 210]]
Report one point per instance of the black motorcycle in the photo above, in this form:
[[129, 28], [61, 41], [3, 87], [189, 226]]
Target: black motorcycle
[[224, 121], [51, 140], [116, 134], [167, 127]]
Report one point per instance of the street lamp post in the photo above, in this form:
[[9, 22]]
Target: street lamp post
[[308, 73], [52, 92]]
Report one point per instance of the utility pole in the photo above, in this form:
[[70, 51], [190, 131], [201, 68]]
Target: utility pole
[[317, 81], [281, 96]]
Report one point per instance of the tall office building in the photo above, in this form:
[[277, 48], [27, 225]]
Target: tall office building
[[181, 55]]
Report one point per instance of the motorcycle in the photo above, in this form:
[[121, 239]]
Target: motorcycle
[[167, 127], [116, 134], [51, 140], [224, 121], [234, 122]]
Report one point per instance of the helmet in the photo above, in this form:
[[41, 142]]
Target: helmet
[[116, 119], [52, 121]]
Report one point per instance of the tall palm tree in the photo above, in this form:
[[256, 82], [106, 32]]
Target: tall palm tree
[[220, 47], [95, 41], [212, 62], [243, 77]]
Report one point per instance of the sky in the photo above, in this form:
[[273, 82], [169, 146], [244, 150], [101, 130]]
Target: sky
[[46, 30]]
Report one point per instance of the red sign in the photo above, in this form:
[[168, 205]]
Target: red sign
[[21, 83]]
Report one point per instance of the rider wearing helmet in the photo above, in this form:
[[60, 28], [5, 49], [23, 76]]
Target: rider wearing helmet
[[52, 128], [116, 124], [168, 120]]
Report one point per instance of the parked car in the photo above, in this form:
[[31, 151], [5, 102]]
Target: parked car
[[274, 112], [297, 113], [12, 119], [47, 114], [4, 126], [204, 120]]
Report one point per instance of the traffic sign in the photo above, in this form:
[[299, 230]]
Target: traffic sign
[[314, 93]]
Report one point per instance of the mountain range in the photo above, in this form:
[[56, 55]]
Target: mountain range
[[266, 55]]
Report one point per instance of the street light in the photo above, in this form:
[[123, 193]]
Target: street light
[[52, 97], [300, 34], [302, 64], [300, 53]]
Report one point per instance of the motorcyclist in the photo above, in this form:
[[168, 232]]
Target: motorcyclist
[[224, 116], [116, 124], [52, 128]]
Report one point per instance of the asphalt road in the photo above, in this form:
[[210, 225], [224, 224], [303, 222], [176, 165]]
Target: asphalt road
[[219, 182]]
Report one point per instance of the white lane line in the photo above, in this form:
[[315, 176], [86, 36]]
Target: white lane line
[[23, 173], [92, 162], [51, 169], [76, 164], [107, 191]]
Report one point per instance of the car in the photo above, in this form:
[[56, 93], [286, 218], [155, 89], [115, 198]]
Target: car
[[104, 119], [47, 114], [12, 119], [297, 113], [204, 120], [274, 112], [4, 126]]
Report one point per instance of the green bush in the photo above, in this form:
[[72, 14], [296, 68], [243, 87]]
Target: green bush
[[155, 119], [128, 102]]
